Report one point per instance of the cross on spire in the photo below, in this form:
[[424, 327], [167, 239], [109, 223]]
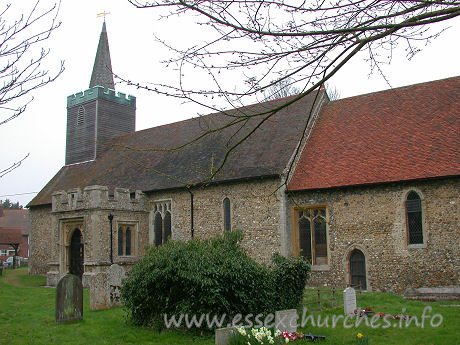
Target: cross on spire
[[103, 14]]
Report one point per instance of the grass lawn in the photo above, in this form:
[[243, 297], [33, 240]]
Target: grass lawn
[[448, 332], [27, 317]]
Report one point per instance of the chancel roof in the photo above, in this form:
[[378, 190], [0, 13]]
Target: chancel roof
[[146, 160], [408, 133]]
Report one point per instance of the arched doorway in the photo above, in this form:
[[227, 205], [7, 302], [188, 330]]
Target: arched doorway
[[358, 269], [76, 254]]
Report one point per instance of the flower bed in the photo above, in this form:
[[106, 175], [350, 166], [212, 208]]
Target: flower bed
[[264, 336]]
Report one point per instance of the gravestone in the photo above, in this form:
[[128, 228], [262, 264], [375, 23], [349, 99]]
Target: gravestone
[[69, 299], [105, 288], [115, 274], [349, 301], [99, 296], [286, 320], [222, 335]]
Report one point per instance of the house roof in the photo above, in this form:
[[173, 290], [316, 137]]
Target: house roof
[[137, 161], [10, 236], [15, 219], [408, 133]]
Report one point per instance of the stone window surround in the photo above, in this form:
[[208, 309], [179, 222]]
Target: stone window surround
[[223, 212], [295, 233], [346, 263], [169, 207], [405, 226], [134, 226]]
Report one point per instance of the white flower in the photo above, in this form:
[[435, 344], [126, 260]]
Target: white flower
[[286, 340], [242, 331], [277, 333]]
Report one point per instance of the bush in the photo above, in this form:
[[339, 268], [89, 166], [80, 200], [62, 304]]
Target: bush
[[289, 276], [213, 276]]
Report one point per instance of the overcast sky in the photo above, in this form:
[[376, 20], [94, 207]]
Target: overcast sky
[[41, 130]]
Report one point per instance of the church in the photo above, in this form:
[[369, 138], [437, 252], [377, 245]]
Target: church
[[367, 190]]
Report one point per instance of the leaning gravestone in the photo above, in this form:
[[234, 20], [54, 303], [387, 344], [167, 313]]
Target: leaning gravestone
[[69, 299], [349, 301], [286, 320], [115, 274]]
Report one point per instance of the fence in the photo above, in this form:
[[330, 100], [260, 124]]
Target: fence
[[324, 297]]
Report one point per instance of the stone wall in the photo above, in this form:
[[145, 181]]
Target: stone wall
[[255, 209], [373, 220], [88, 211], [40, 240]]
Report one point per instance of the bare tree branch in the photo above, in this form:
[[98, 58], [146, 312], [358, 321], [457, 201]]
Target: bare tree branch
[[21, 69], [290, 42]]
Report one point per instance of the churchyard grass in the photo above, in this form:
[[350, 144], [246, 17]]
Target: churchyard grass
[[445, 333], [27, 317]]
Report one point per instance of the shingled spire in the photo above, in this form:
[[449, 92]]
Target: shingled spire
[[99, 114], [102, 70]]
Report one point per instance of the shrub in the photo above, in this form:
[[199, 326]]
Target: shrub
[[213, 276], [289, 276]]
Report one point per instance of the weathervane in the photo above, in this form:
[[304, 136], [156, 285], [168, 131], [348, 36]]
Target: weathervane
[[103, 14]]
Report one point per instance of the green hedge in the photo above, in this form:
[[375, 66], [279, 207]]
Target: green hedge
[[213, 276]]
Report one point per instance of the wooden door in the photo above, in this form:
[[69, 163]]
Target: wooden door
[[358, 269], [76, 254]]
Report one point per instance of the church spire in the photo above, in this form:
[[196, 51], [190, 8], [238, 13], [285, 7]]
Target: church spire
[[102, 70]]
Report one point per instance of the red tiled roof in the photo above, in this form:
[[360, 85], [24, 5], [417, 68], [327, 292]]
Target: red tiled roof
[[407, 133], [10, 235]]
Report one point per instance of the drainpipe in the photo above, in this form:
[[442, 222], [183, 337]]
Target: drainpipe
[[110, 217], [191, 212]]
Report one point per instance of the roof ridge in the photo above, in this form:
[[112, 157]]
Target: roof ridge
[[397, 88], [210, 114], [384, 137]]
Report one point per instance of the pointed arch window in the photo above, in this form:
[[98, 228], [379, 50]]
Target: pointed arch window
[[311, 236], [162, 222], [227, 215], [167, 226], [414, 218], [158, 229]]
